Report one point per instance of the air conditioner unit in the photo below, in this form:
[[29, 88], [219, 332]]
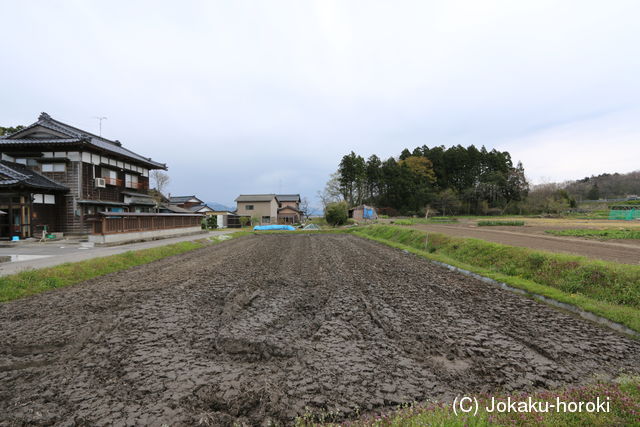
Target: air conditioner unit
[[100, 183]]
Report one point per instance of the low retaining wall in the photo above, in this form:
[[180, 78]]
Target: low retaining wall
[[138, 236]]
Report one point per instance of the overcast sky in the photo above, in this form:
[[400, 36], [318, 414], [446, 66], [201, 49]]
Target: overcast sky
[[267, 96]]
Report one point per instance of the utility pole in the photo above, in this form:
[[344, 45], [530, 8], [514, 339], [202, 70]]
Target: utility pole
[[100, 119]]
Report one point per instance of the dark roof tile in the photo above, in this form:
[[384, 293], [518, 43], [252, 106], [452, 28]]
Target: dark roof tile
[[17, 174], [76, 135]]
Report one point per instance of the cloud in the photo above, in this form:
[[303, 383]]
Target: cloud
[[234, 95], [590, 146]]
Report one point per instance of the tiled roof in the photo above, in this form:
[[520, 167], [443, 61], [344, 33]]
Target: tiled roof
[[288, 197], [142, 201], [198, 207], [5, 141], [289, 207], [174, 208], [13, 174], [75, 135], [135, 194], [181, 199], [101, 202], [255, 197]]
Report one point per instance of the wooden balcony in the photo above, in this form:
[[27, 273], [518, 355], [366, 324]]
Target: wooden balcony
[[121, 183]]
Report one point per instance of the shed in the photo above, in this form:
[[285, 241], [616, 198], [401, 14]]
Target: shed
[[363, 212]]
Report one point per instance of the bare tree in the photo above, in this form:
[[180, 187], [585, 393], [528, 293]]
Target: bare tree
[[331, 192], [305, 209], [160, 180]]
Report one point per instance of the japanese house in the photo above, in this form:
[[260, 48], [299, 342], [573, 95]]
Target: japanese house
[[270, 208], [191, 204], [55, 175]]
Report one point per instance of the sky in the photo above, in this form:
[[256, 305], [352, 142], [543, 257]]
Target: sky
[[267, 96]]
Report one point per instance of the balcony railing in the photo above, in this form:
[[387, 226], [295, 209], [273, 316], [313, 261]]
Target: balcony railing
[[122, 183], [113, 181], [130, 222]]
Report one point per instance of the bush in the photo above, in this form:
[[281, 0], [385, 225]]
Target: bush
[[336, 213], [212, 221]]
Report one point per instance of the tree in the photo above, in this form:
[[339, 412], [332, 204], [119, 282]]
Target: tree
[[516, 188], [351, 175], [485, 181], [212, 221], [331, 192], [373, 179], [9, 130], [594, 192], [447, 201], [305, 208], [420, 166], [160, 181], [336, 213]]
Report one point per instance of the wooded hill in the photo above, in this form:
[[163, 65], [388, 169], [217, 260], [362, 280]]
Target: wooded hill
[[455, 180]]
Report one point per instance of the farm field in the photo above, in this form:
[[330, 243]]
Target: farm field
[[533, 235], [270, 327]]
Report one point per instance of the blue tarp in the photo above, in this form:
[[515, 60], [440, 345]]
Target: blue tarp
[[273, 227], [368, 213]]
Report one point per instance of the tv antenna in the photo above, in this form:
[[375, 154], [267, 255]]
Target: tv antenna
[[100, 119]]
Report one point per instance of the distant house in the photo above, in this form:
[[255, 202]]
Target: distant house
[[56, 175], [270, 208], [191, 204], [227, 219]]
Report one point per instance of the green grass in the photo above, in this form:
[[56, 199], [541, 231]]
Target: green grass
[[607, 234], [606, 289], [432, 220], [624, 398], [488, 223], [593, 214], [32, 282]]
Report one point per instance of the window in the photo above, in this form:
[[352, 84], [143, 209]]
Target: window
[[110, 177], [47, 199], [266, 219], [249, 207], [21, 161], [131, 181], [54, 167]]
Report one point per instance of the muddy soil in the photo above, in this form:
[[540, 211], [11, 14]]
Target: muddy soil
[[259, 328], [623, 251]]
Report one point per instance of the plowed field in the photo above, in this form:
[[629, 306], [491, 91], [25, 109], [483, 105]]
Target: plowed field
[[258, 328]]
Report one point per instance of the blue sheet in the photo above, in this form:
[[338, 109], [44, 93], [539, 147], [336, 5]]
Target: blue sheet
[[273, 227]]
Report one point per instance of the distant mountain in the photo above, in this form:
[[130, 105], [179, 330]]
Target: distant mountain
[[219, 206]]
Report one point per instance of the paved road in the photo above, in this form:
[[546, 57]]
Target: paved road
[[31, 255]]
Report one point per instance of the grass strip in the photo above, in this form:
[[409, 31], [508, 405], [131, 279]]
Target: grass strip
[[606, 234], [32, 282], [432, 220], [623, 395], [607, 289], [488, 223]]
